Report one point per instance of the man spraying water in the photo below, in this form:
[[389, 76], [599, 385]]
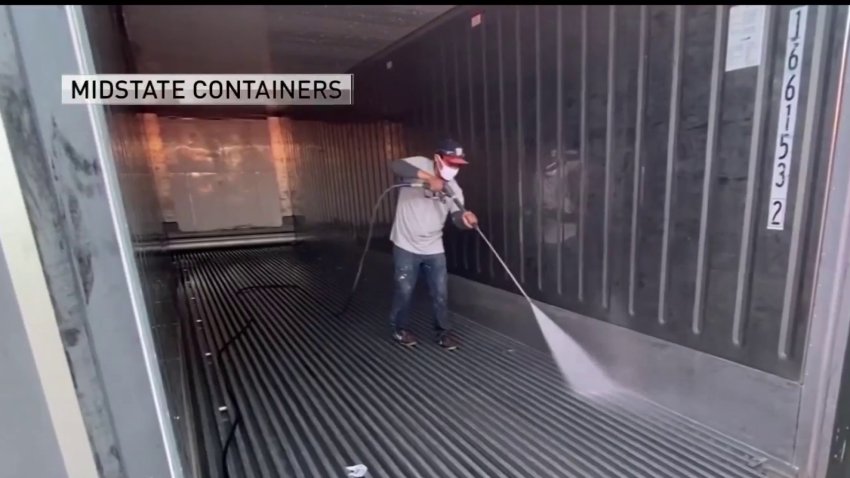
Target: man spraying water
[[417, 235]]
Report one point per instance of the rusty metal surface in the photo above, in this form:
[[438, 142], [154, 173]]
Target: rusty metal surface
[[220, 174]]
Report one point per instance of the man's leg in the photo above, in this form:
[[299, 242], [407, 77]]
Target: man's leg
[[437, 276], [406, 270]]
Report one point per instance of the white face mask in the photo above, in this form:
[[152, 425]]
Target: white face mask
[[447, 172]]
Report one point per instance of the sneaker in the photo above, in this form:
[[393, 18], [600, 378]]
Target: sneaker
[[404, 338], [448, 342]]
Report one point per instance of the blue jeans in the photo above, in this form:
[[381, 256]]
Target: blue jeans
[[407, 266]]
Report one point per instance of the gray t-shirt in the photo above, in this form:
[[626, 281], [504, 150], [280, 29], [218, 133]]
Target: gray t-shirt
[[421, 214]]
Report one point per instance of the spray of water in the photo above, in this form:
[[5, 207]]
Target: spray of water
[[577, 367]]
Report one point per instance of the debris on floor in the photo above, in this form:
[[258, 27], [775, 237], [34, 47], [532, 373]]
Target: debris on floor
[[356, 471]]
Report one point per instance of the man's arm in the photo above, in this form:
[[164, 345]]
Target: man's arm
[[457, 220], [408, 171], [405, 170], [456, 213]]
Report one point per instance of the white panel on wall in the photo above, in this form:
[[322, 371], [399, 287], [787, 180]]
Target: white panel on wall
[[220, 174]]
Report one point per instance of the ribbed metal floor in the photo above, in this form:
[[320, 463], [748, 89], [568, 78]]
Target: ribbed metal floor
[[318, 394]]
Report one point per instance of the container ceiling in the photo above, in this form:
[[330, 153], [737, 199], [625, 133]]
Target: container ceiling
[[267, 39]]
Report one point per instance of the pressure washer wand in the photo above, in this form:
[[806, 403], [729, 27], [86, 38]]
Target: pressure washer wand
[[451, 195]]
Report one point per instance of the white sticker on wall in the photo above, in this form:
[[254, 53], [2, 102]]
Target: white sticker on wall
[[476, 20], [786, 121], [745, 37]]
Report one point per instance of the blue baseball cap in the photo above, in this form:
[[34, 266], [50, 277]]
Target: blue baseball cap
[[452, 152]]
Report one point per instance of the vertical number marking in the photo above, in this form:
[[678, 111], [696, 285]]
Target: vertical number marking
[[786, 122]]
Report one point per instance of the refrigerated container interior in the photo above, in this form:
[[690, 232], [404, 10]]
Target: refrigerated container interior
[[628, 162]]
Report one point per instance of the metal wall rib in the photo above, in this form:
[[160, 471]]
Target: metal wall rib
[[708, 172], [638, 150], [672, 158], [583, 152], [559, 115], [742, 291], [318, 394], [804, 191], [609, 152]]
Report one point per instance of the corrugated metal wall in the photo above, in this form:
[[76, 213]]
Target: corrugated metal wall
[[338, 173], [224, 173], [654, 210]]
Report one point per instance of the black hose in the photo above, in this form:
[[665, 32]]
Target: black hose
[[231, 434], [220, 353], [219, 357], [368, 242], [237, 420]]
